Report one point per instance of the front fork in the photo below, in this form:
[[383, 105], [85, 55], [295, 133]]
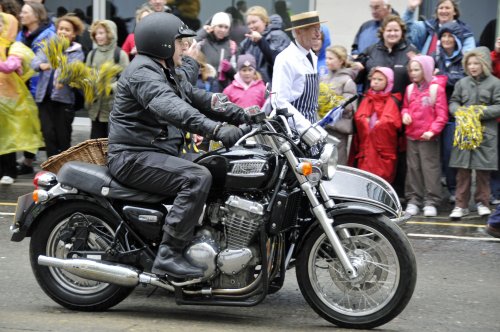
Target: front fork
[[320, 212]]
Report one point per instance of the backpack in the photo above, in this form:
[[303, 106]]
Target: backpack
[[116, 55], [26, 54]]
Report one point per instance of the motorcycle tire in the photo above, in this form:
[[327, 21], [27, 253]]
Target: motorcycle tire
[[63, 287], [386, 266]]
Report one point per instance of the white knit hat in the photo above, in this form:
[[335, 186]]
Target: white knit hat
[[221, 18]]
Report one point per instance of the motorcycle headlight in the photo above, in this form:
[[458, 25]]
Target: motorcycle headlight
[[328, 159], [314, 135]]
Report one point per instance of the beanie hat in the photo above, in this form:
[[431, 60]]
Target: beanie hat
[[221, 18], [427, 64], [246, 60], [389, 75]]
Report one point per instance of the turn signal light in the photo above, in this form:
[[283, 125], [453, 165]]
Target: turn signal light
[[304, 168], [40, 195]]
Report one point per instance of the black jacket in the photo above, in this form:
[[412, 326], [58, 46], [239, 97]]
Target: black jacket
[[149, 114], [378, 55]]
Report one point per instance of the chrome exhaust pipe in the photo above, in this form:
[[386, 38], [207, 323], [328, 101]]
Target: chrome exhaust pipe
[[99, 271]]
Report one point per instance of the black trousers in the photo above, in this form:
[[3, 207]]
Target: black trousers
[[8, 165], [56, 119], [167, 175], [99, 129]]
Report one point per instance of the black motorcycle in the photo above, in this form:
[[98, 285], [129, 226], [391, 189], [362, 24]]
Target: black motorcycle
[[270, 209]]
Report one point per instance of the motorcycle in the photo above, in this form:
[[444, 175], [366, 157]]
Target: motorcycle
[[273, 206]]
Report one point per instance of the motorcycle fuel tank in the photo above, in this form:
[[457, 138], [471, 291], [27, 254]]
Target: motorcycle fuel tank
[[241, 168]]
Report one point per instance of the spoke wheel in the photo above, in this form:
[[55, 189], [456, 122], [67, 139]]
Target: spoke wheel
[[385, 264], [63, 287]]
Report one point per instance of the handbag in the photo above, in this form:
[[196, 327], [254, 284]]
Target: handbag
[[344, 126]]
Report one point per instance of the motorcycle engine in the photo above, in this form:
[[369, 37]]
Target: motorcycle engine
[[241, 219]]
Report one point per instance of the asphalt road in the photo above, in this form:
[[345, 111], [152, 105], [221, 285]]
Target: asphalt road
[[458, 289]]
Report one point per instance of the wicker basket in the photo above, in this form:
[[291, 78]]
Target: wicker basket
[[92, 151]]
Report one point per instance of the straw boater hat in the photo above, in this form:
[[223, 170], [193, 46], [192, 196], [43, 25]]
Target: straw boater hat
[[303, 20]]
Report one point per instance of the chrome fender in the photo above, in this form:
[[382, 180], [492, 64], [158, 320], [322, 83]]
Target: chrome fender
[[350, 184]]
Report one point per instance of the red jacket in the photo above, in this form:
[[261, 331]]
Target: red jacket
[[495, 59], [377, 135]]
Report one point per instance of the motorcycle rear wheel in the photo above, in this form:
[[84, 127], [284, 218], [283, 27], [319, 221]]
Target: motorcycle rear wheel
[[384, 260], [63, 287]]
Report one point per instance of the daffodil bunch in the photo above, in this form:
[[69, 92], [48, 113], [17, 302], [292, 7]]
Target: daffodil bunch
[[327, 99], [54, 50], [468, 130]]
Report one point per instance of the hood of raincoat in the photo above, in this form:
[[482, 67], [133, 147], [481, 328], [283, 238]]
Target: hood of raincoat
[[389, 75], [483, 54], [427, 64], [112, 31], [8, 33]]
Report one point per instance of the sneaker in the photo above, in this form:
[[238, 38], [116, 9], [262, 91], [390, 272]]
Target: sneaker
[[458, 212], [6, 180], [25, 169], [493, 231], [430, 211], [412, 209], [495, 201], [483, 210]]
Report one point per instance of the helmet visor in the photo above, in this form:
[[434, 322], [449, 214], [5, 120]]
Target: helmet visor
[[184, 31]]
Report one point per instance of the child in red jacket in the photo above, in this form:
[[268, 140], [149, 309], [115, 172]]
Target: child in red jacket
[[425, 113], [377, 122]]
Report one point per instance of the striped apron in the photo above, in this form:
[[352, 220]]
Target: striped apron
[[307, 103]]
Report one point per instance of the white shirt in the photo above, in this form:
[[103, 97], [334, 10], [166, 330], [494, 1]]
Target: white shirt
[[290, 68]]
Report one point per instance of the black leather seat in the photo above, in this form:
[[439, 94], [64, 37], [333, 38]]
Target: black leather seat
[[97, 180]]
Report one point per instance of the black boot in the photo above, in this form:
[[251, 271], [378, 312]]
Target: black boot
[[170, 260]]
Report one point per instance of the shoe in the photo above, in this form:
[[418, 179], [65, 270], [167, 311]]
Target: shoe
[[412, 209], [170, 260], [458, 212], [6, 180], [495, 201], [493, 231], [483, 210], [451, 199], [430, 211], [25, 169]]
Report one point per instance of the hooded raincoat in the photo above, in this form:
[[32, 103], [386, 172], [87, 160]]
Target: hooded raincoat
[[20, 126], [101, 108], [450, 65], [377, 122], [483, 90], [429, 112]]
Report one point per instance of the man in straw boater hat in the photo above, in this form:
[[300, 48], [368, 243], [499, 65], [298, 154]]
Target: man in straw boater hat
[[295, 78]]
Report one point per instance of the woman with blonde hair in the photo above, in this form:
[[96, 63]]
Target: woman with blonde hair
[[265, 40]]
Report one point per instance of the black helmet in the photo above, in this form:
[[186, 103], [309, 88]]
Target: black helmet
[[156, 33]]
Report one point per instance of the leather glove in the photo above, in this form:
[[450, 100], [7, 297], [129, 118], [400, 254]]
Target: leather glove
[[239, 115], [228, 135]]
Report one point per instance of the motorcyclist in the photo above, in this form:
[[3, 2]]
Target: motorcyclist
[[152, 108]]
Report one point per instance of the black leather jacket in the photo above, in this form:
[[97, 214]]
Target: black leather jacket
[[149, 114]]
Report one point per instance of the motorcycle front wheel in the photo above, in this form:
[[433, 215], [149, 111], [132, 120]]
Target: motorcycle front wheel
[[386, 267], [53, 237]]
